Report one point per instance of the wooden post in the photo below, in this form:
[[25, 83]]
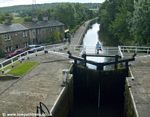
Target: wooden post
[[99, 67], [75, 62], [36, 53], [12, 63], [84, 57], [116, 62], [20, 59], [127, 67]]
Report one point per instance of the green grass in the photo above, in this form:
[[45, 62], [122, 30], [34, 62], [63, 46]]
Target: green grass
[[23, 68], [18, 20], [10, 66]]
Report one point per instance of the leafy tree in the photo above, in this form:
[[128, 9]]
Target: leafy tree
[[55, 37], [125, 22], [108, 12], [119, 26], [114, 19], [140, 25]]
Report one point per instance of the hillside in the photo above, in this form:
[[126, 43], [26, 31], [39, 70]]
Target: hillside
[[26, 8]]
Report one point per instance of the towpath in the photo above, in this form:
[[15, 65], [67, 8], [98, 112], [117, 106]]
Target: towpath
[[140, 86]]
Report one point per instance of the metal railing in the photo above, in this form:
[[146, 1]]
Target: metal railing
[[42, 110]]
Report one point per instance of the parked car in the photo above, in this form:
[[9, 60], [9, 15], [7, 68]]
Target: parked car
[[34, 48], [14, 53]]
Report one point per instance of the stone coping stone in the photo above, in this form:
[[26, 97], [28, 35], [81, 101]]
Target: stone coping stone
[[8, 77]]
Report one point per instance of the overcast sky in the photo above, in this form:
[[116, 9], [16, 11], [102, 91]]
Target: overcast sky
[[23, 2]]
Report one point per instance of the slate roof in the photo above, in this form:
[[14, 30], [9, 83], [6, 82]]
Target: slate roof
[[28, 25], [11, 28], [42, 24]]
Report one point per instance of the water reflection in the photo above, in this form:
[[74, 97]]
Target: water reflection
[[89, 43]]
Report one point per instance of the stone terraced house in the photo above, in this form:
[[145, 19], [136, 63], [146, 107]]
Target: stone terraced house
[[41, 30], [14, 36]]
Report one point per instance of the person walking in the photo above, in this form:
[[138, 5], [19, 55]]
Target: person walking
[[98, 47]]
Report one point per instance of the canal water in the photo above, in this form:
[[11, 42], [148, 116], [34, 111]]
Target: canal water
[[89, 43]]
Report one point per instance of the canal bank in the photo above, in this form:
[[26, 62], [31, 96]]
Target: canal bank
[[77, 37]]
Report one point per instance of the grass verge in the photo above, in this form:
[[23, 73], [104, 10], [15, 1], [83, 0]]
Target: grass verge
[[23, 68]]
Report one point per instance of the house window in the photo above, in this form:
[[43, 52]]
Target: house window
[[25, 34], [33, 33], [17, 46], [7, 37], [38, 31], [26, 44]]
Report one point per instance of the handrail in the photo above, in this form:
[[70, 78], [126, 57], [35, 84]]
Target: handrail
[[40, 111], [134, 46], [134, 49]]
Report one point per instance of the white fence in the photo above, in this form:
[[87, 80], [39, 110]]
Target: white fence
[[25, 55], [133, 49]]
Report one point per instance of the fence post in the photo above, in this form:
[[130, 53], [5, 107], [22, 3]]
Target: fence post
[[2, 68], [127, 66], [147, 50], [100, 66], [12, 63], [27, 55], [116, 62], [20, 59], [84, 57], [36, 52], [136, 49]]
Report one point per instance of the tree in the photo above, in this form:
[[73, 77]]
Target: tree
[[119, 26], [140, 25], [114, 19]]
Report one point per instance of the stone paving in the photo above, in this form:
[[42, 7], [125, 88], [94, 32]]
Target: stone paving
[[42, 84], [140, 86]]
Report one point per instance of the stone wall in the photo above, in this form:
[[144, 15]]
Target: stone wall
[[129, 110], [64, 104]]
